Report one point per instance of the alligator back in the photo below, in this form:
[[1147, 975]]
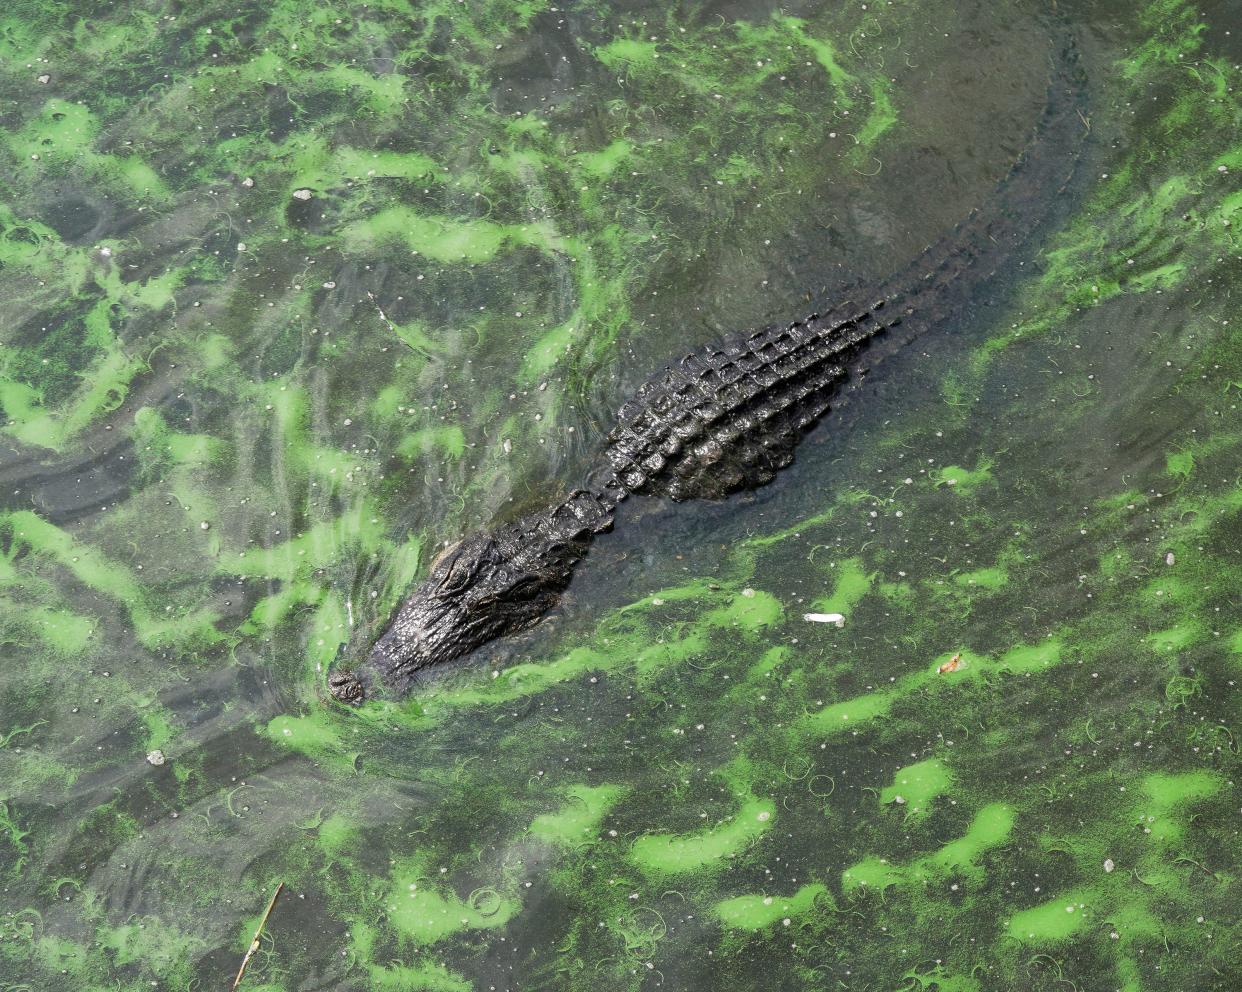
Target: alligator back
[[729, 418]]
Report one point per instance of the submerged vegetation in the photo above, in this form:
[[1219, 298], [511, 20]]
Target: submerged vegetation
[[289, 297]]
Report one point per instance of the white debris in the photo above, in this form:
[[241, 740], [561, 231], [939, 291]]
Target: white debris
[[241, 246], [1108, 865], [155, 757], [45, 79], [302, 194], [833, 618], [1170, 559], [248, 183], [899, 800], [748, 593]]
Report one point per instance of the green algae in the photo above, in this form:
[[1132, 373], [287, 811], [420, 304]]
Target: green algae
[[983, 578], [1052, 922], [917, 785], [990, 828], [429, 977], [848, 714], [677, 854], [423, 915], [851, 583], [315, 735], [758, 912], [940, 676], [94, 570], [1167, 794], [964, 480], [579, 820], [960, 858]]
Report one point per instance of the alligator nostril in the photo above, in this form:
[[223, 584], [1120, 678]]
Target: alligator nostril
[[346, 687]]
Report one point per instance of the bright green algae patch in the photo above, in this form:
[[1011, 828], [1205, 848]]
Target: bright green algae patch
[[579, 820], [674, 854], [424, 915], [917, 785], [252, 416], [758, 912]]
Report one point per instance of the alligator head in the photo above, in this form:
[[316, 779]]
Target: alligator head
[[482, 588]]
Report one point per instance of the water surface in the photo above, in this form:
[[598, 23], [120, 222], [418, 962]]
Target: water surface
[[292, 295]]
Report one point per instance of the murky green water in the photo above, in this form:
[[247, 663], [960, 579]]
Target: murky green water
[[291, 294]]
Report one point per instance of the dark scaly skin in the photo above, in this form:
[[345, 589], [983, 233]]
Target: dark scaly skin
[[726, 419]]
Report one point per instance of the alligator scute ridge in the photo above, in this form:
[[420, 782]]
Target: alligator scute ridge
[[720, 420]]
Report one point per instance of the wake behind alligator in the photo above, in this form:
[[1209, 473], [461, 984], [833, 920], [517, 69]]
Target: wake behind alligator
[[719, 421]]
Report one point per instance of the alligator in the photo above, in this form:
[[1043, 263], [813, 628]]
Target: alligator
[[725, 419]]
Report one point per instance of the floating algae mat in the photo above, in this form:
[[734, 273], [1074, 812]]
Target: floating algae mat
[[292, 295]]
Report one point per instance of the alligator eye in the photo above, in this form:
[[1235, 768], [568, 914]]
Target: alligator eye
[[461, 573]]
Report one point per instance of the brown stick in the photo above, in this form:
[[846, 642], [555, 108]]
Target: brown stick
[[254, 944]]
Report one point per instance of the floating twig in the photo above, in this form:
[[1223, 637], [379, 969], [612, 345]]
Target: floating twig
[[393, 327], [254, 944]]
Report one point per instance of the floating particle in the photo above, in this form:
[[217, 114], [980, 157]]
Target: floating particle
[[1170, 559], [832, 618], [155, 757], [302, 194], [1108, 865], [952, 665]]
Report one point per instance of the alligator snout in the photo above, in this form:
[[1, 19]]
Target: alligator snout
[[346, 687]]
